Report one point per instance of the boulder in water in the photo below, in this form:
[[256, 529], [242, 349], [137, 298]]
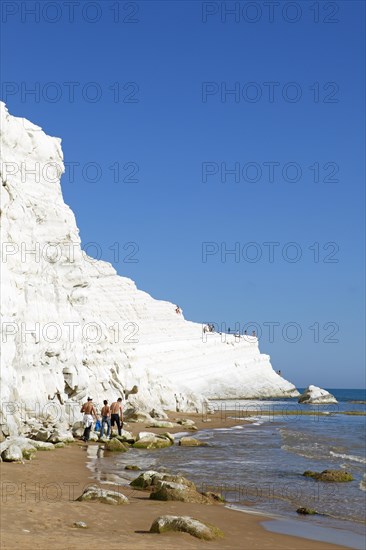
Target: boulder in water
[[339, 476], [191, 442], [316, 396], [149, 440], [126, 436], [115, 446], [306, 511]]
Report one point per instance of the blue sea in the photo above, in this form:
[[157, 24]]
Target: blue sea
[[259, 466]]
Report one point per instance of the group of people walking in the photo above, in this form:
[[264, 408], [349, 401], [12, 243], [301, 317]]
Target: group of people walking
[[110, 415], [209, 328]]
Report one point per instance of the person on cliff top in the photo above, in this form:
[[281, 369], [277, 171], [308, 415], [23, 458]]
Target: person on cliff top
[[117, 415], [106, 419], [89, 412]]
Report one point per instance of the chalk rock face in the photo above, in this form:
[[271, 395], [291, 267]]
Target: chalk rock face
[[71, 327], [316, 396]]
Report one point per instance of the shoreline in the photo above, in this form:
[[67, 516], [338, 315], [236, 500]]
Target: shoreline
[[39, 508]]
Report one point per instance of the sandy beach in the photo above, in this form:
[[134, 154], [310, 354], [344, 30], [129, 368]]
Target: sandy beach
[[38, 509]]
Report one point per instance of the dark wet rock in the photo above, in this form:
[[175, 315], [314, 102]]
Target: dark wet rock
[[339, 476], [115, 446], [169, 436], [214, 496], [149, 440], [165, 486], [191, 442], [169, 490], [126, 437], [306, 511], [150, 479]]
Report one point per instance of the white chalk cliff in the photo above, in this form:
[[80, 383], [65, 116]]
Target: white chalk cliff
[[71, 326]]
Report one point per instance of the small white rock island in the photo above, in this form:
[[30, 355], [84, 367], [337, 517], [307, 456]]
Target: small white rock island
[[316, 396]]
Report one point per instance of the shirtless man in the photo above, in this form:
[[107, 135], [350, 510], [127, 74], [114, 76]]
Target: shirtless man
[[117, 415], [89, 411], [106, 419]]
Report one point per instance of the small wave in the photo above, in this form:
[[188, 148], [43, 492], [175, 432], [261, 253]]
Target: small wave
[[222, 429], [298, 451], [362, 484], [239, 427], [180, 434], [352, 458], [256, 420]]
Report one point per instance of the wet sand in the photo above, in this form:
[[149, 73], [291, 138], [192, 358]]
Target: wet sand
[[38, 509]]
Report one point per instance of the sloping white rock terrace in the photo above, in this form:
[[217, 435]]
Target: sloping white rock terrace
[[72, 327]]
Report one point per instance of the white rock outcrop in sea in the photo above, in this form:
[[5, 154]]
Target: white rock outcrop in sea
[[72, 327], [316, 396]]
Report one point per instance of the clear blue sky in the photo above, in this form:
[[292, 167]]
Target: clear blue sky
[[169, 123]]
